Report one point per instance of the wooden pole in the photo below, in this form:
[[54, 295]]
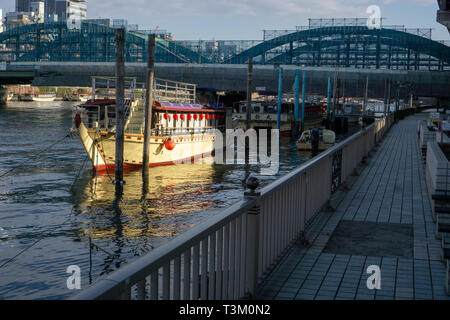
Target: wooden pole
[[303, 100], [280, 97], [366, 90], [120, 89], [249, 92], [148, 102]]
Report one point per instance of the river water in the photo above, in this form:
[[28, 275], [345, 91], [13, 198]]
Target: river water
[[47, 219]]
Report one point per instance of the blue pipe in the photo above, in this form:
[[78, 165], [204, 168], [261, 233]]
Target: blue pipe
[[280, 93], [303, 96], [297, 94], [330, 87]]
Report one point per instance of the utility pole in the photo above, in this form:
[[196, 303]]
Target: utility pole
[[120, 89], [249, 92], [148, 103]]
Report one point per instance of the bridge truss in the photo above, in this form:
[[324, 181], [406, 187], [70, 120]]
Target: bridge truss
[[323, 43]]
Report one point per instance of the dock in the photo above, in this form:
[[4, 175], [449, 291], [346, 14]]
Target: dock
[[390, 199]]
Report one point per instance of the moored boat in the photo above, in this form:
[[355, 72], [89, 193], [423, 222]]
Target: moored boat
[[264, 115], [44, 97], [181, 129], [326, 137], [25, 97]]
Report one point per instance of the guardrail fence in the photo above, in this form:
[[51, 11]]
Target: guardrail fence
[[229, 254]]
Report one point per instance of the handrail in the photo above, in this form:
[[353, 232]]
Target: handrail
[[147, 263], [275, 185]]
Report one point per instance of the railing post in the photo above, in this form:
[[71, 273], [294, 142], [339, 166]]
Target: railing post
[[252, 241]]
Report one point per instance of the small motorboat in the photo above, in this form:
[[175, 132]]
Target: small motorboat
[[326, 139], [44, 97]]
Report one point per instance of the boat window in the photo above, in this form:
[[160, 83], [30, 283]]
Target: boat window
[[243, 109]]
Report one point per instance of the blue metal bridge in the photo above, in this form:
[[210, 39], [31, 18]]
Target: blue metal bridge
[[322, 44]]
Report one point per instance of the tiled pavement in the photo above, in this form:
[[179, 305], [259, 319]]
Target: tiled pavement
[[390, 189]]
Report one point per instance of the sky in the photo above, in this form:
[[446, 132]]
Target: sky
[[245, 19]]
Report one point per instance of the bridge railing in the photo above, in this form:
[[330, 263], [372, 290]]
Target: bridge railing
[[227, 256]]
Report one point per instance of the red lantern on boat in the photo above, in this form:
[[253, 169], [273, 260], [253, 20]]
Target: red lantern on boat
[[169, 144], [175, 117], [189, 116], [206, 116], [182, 116], [201, 117], [195, 116], [166, 116], [211, 117]]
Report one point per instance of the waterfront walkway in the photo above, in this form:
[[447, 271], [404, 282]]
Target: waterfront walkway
[[383, 218]]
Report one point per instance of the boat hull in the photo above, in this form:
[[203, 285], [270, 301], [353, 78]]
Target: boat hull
[[37, 99], [100, 147], [285, 127], [306, 146]]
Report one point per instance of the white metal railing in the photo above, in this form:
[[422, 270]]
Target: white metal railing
[[229, 254]]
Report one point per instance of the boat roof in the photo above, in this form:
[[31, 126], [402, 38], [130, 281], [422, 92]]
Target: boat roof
[[183, 107], [161, 105]]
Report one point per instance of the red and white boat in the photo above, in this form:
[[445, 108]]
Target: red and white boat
[[181, 129]]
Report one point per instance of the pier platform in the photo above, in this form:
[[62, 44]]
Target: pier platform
[[382, 217]]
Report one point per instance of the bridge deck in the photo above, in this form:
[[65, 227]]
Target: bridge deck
[[385, 220]]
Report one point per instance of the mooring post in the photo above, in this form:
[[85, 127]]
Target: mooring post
[[330, 86], [365, 94], [120, 89], [303, 98], [280, 96], [335, 82], [148, 103], [389, 96], [296, 98], [249, 92], [385, 97], [252, 234]]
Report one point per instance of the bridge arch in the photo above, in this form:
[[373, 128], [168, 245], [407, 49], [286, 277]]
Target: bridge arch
[[90, 43], [346, 46]]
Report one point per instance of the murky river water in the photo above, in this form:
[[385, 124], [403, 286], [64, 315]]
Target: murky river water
[[46, 219]]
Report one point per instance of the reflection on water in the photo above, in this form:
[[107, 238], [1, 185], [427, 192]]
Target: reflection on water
[[46, 221]]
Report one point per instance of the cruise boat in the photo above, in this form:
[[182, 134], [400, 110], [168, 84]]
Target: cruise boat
[[265, 115], [44, 97], [326, 140], [181, 129]]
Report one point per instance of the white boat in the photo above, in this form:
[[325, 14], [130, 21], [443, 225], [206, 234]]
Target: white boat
[[327, 139], [180, 128], [44, 97]]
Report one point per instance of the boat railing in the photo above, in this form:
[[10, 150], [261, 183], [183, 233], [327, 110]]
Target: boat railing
[[228, 255], [174, 91]]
